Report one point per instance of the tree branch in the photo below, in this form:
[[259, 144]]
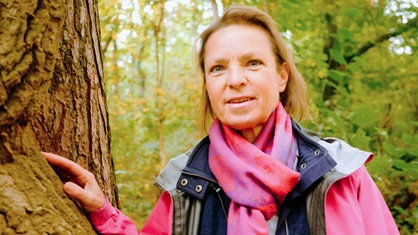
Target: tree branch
[[412, 24]]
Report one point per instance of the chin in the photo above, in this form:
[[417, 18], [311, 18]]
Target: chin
[[243, 122], [242, 125]]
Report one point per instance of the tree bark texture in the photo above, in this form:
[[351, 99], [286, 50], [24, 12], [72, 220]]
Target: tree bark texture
[[51, 99]]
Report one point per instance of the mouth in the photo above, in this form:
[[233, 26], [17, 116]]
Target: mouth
[[239, 100]]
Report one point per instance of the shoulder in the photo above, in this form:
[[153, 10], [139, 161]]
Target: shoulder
[[347, 157], [167, 179]]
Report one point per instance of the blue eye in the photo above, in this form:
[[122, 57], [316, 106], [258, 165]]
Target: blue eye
[[217, 68], [254, 63]]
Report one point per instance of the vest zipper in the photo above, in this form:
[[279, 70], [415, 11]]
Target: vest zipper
[[287, 228], [217, 189]]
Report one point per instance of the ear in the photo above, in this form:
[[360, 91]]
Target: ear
[[284, 76]]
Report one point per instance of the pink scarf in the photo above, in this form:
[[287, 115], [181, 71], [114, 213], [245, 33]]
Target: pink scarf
[[257, 177]]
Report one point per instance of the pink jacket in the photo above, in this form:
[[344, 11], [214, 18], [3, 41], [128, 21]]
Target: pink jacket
[[354, 205]]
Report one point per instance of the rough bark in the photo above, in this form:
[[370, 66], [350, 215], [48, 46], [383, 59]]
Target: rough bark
[[51, 99]]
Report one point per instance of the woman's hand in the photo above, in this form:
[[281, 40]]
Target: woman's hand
[[80, 183]]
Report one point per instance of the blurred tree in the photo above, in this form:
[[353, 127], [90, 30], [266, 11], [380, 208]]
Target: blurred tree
[[52, 99], [159, 56]]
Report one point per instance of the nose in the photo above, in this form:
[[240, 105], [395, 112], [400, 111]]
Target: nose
[[237, 77]]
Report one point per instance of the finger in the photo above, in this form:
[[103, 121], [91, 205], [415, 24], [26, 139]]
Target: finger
[[80, 174], [58, 161], [90, 201]]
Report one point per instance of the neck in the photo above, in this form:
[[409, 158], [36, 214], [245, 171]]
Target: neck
[[251, 134]]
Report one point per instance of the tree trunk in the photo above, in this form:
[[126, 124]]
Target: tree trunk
[[159, 41], [329, 43], [52, 99], [215, 10]]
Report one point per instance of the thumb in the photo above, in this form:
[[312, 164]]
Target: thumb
[[88, 200], [75, 191]]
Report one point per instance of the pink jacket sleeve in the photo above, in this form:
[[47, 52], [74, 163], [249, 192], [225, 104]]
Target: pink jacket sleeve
[[109, 220], [161, 218], [354, 205]]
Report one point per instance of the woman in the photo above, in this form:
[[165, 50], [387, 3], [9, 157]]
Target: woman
[[257, 172]]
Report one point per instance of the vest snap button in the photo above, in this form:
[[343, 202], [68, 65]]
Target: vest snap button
[[317, 152], [302, 166], [199, 188], [184, 182]]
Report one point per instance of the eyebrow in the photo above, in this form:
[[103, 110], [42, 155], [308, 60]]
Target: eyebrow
[[246, 55], [251, 54], [219, 60]]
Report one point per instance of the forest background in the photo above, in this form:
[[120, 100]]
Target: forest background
[[358, 57]]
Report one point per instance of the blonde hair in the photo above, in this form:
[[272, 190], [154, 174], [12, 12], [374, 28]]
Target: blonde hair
[[293, 97]]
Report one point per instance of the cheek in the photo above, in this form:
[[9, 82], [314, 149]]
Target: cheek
[[272, 95], [213, 87], [209, 91], [213, 94], [216, 101]]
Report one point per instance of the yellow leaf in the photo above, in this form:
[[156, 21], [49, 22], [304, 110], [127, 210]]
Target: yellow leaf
[[159, 91], [322, 74]]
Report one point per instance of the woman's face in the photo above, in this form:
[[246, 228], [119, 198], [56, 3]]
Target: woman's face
[[242, 77]]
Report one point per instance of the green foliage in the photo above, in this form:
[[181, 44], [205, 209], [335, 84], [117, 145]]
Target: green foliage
[[396, 175], [358, 57]]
